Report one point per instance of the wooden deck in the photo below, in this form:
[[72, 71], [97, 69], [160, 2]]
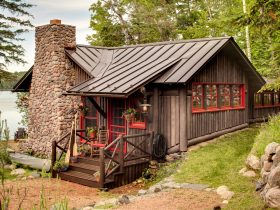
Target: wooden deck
[[110, 168]]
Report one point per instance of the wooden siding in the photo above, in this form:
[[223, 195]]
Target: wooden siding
[[81, 75], [221, 69], [265, 112]]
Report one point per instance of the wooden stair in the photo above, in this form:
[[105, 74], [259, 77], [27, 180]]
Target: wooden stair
[[83, 172]]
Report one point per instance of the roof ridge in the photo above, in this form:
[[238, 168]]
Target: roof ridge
[[158, 43]]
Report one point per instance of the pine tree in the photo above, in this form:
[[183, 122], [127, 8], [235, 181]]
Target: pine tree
[[14, 20]]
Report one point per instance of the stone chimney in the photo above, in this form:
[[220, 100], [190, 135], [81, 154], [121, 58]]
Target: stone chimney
[[49, 116]]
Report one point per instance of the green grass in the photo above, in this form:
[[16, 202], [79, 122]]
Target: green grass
[[270, 132], [219, 163]]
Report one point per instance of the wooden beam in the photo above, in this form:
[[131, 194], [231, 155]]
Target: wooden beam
[[183, 118], [155, 110], [99, 109]]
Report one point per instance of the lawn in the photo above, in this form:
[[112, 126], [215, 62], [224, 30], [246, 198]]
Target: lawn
[[219, 163]]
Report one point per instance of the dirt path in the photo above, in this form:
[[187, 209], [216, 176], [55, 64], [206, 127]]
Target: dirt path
[[54, 190], [176, 200]]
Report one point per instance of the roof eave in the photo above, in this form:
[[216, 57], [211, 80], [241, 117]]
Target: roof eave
[[22, 79]]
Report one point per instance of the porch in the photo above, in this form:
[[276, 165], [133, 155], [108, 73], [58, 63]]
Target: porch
[[111, 166]]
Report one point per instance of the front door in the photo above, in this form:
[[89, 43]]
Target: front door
[[116, 122]]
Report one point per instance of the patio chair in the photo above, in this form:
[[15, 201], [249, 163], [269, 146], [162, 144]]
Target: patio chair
[[101, 141]]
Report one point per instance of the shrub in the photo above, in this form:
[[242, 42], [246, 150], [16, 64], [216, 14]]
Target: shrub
[[269, 132]]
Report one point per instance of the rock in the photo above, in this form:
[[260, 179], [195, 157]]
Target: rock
[[272, 197], [24, 178], [153, 163], [35, 175], [171, 185], [224, 192], [169, 158], [88, 208], [271, 148], [9, 150], [225, 202], [142, 192], [175, 156], [274, 177], [264, 190], [124, 199], [18, 171], [267, 166], [243, 170], [263, 158], [249, 174], [194, 186], [253, 162], [276, 157], [259, 185], [264, 175], [155, 189], [12, 167]]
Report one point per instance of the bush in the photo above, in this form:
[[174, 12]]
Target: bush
[[269, 132]]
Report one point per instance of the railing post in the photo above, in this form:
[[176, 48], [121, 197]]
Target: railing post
[[72, 139], [121, 155], [53, 158], [102, 168]]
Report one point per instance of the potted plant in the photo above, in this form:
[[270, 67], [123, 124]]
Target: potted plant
[[83, 109], [129, 114], [91, 132]]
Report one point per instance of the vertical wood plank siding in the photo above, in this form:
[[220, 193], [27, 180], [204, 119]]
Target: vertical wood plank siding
[[221, 69], [264, 113], [81, 75]]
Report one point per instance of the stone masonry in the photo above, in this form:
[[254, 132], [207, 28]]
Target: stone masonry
[[49, 116]]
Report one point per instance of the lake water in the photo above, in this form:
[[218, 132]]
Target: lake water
[[9, 111]]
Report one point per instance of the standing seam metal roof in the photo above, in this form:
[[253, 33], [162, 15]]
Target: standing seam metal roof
[[122, 70]]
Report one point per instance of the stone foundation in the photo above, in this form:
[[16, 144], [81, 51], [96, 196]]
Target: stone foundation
[[49, 116]]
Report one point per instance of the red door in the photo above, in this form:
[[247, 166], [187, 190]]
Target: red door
[[116, 123]]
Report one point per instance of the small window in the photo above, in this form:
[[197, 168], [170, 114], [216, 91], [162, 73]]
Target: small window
[[91, 117], [211, 96], [139, 120], [197, 96], [267, 99], [258, 99], [236, 95], [225, 95], [276, 99]]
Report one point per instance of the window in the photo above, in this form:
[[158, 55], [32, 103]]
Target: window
[[197, 96], [267, 99], [215, 97], [276, 99], [211, 96], [258, 99], [91, 117], [225, 95], [139, 120]]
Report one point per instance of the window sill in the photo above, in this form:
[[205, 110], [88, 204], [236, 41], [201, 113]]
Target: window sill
[[217, 109], [266, 106]]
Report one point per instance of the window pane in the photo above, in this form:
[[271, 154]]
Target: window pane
[[197, 96], [258, 99], [211, 95], [225, 95], [276, 98], [236, 93], [267, 99]]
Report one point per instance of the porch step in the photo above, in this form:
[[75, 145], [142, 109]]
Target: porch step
[[88, 160], [81, 178], [84, 167]]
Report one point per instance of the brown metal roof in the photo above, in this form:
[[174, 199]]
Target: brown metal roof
[[122, 70]]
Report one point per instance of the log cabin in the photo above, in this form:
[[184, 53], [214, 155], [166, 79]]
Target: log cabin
[[183, 92]]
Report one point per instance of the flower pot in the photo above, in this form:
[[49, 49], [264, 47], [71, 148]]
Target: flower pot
[[129, 117]]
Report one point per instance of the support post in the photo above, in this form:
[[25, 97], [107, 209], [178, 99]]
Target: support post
[[121, 156], [72, 141], [53, 158], [183, 119], [151, 145], [102, 168]]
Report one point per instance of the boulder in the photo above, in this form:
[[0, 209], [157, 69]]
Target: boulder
[[18, 171], [274, 177], [155, 189], [249, 174], [264, 175], [124, 199], [35, 175], [272, 197], [142, 192], [253, 162], [263, 158], [271, 148], [267, 166], [276, 157], [224, 192], [169, 158]]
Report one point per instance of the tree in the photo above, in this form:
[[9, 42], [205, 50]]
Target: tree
[[13, 23]]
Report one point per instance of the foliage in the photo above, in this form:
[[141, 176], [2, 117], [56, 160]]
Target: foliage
[[269, 132], [122, 22], [22, 105], [219, 163], [83, 108], [8, 79], [129, 111], [14, 21], [91, 130], [60, 164]]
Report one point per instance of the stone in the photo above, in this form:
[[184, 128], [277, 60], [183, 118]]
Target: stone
[[171, 185], [243, 170], [18, 171], [253, 162], [88, 208], [142, 192], [274, 177], [249, 173], [272, 197], [124, 199], [155, 189], [153, 163], [264, 175], [260, 185], [169, 158], [35, 175], [224, 192], [24, 178], [263, 158], [175, 156], [225, 202], [194, 186], [276, 157], [271, 148], [267, 166]]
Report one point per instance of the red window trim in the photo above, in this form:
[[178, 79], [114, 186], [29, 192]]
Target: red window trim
[[137, 124], [223, 108]]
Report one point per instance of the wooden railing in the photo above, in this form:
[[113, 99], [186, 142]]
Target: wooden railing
[[118, 159]]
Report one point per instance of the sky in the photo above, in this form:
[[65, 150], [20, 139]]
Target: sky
[[70, 12]]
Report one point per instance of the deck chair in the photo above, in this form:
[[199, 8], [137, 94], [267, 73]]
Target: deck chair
[[102, 140]]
